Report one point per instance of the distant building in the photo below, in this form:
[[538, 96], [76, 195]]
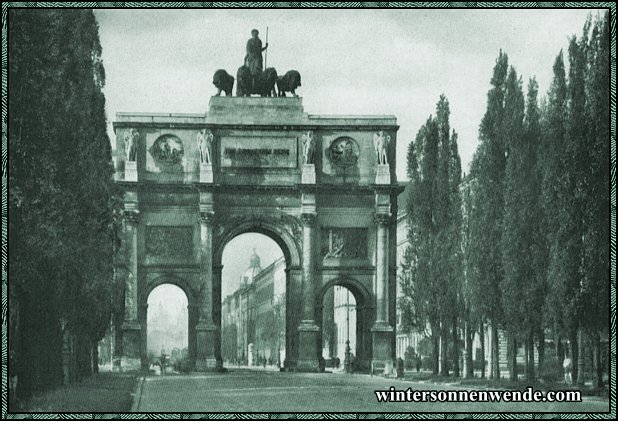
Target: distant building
[[253, 317]]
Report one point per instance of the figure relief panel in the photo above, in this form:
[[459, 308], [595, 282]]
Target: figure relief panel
[[165, 244], [346, 243]]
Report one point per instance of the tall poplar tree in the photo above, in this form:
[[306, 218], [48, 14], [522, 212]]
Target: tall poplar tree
[[485, 225], [61, 201], [431, 269]]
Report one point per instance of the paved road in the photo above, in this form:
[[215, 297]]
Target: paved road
[[267, 391]]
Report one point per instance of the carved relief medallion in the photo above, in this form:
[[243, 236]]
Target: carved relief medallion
[[344, 152], [167, 149]]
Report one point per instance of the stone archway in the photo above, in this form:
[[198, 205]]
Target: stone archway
[[314, 184], [280, 229], [167, 325], [364, 316], [192, 313]]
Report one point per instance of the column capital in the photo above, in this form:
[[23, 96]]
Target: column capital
[[308, 219], [382, 219], [131, 216], [206, 217]]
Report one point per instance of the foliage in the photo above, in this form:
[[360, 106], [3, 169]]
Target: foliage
[[61, 201], [430, 270]]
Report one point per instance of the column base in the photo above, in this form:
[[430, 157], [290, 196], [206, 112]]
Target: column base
[[131, 358], [205, 359], [382, 361], [308, 347]]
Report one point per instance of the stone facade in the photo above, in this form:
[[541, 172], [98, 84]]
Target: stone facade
[[181, 209], [253, 317]]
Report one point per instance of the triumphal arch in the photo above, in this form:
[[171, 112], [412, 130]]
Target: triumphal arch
[[323, 187]]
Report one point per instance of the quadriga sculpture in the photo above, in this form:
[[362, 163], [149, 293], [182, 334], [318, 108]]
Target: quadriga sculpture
[[223, 81], [244, 81], [288, 82], [262, 84]]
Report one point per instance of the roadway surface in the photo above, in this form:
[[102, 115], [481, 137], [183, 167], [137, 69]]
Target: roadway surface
[[243, 390]]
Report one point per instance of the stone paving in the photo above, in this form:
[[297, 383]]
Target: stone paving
[[245, 390]]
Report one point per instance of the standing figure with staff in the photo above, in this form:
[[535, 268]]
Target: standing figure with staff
[[253, 59]]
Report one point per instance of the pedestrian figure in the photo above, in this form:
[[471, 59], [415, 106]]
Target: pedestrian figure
[[418, 364], [567, 364], [400, 368]]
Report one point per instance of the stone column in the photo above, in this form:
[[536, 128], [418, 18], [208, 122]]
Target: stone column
[[382, 222], [308, 329], [381, 330], [131, 327], [205, 329], [216, 313]]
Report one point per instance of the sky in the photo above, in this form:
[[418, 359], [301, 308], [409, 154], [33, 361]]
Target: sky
[[367, 61], [237, 254]]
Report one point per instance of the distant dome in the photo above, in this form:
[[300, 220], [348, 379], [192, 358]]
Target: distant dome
[[254, 268], [255, 260]]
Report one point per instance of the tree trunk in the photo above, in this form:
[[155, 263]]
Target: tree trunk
[[455, 349], [574, 353], [527, 352], [512, 356], [597, 369], [435, 352], [482, 338], [541, 349], [495, 352], [95, 358], [580, 357], [444, 366], [468, 334], [530, 372]]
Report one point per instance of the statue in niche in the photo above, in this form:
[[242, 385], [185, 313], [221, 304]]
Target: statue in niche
[[130, 144], [308, 147], [204, 143], [380, 144]]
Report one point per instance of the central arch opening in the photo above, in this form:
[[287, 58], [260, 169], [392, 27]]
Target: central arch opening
[[253, 302], [167, 324]]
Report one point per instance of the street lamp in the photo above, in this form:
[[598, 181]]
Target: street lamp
[[346, 360]]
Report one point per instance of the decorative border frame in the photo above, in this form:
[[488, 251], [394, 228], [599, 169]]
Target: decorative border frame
[[585, 5]]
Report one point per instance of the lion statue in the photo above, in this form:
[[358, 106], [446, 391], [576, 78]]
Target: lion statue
[[223, 81], [288, 83]]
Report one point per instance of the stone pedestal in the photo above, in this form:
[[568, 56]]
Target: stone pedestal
[[308, 346], [206, 173], [131, 340], [205, 359], [308, 176], [130, 171], [382, 335], [383, 174]]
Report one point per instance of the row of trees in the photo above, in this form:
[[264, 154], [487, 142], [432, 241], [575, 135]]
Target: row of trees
[[63, 213], [522, 244]]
